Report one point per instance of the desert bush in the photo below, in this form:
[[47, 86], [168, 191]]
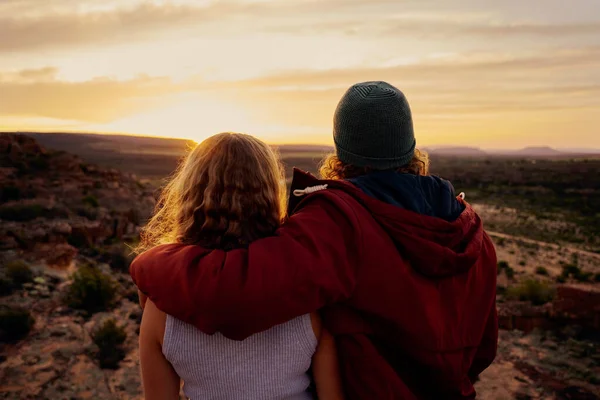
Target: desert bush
[[91, 290], [570, 269], [119, 260], [573, 271], [21, 212], [15, 323], [575, 258], [78, 240], [9, 193], [503, 265], [583, 276], [39, 163], [6, 285], [132, 295], [91, 201], [531, 290], [522, 263], [109, 337], [597, 277], [541, 271], [87, 212], [510, 273], [19, 273], [28, 212]]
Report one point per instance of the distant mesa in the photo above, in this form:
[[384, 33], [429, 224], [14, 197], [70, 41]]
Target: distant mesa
[[108, 150], [539, 151]]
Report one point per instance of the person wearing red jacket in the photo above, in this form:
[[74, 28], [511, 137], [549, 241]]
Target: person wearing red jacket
[[400, 267]]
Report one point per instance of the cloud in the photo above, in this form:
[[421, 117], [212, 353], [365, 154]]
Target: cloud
[[27, 25], [457, 70], [142, 21], [435, 25], [476, 85], [37, 93], [28, 75], [470, 86]]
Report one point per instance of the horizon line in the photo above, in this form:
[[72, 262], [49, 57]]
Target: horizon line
[[443, 146]]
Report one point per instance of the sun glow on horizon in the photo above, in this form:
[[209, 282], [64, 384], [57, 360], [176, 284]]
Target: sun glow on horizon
[[504, 75]]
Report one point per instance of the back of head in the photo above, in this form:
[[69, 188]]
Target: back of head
[[373, 130], [227, 193], [373, 127]]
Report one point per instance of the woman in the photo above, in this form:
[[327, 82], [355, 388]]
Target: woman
[[226, 194]]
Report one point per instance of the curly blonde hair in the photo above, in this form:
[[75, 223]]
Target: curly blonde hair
[[333, 168], [227, 193]]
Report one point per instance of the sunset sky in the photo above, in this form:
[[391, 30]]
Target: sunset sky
[[494, 74]]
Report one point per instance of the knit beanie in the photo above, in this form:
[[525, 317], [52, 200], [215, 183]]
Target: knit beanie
[[373, 127]]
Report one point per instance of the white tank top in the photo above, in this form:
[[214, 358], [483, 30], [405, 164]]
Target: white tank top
[[271, 365]]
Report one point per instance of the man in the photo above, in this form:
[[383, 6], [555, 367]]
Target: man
[[402, 269]]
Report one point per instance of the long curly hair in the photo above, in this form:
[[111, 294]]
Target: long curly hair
[[227, 193], [333, 168]]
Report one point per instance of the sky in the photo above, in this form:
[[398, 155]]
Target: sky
[[485, 73]]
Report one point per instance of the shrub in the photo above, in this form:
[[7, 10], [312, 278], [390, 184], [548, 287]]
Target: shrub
[[109, 338], [583, 276], [21, 212], [531, 290], [78, 240], [9, 193], [503, 265], [541, 271], [575, 259], [597, 277], [15, 323], [522, 263], [39, 163], [510, 273], [91, 201], [91, 290], [87, 212], [118, 260], [19, 273], [6, 285], [572, 270]]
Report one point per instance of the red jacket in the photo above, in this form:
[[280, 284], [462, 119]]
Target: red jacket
[[409, 298]]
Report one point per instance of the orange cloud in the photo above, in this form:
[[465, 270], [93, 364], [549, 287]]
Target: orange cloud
[[36, 93], [23, 29]]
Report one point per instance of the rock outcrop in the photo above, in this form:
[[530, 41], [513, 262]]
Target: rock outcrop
[[53, 203]]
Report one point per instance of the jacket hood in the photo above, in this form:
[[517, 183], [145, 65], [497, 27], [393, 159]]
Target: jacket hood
[[425, 195], [437, 245]]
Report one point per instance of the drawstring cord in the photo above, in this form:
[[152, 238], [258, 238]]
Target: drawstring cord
[[312, 189], [309, 190]]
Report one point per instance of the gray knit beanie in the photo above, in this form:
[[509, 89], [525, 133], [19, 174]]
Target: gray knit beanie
[[373, 127]]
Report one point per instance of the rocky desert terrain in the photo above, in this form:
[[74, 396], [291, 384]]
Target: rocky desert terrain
[[69, 316]]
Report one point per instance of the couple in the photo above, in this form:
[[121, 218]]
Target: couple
[[378, 284]]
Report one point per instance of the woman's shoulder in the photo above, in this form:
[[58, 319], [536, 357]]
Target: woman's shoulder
[[153, 321]]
